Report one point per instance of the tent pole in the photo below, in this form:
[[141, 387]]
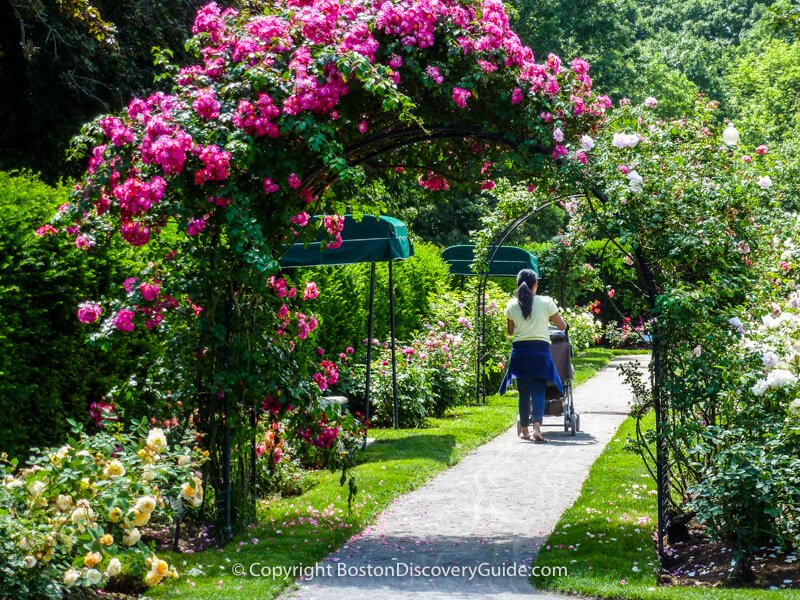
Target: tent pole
[[394, 356], [370, 322]]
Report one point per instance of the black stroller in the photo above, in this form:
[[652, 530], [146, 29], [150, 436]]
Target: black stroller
[[556, 405]]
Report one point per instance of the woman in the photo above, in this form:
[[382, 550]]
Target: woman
[[531, 362]]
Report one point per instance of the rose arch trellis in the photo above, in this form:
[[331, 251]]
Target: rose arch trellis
[[282, 114]]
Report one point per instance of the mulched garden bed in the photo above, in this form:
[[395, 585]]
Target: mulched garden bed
[[701, 562]]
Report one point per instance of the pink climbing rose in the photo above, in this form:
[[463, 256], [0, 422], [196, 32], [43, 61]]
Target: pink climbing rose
[[460, 96], [123, 320], [89, 312], [311, 291]]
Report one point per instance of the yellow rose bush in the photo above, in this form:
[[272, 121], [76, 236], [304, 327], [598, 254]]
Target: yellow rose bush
[[77, 515]]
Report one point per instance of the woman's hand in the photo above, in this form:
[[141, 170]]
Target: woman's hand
[[510, 327]]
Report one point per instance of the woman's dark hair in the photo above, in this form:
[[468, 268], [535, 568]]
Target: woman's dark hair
[[526, 279]]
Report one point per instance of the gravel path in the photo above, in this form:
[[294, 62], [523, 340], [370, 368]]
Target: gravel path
[[487, 515]]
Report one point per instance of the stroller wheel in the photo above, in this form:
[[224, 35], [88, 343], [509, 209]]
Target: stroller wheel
[[566, 420], [573, 424]]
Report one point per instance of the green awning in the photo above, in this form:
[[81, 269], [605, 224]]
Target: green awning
[[507, 261], [372, 239]]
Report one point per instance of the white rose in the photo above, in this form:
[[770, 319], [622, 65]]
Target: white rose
[[63, 502], [70, 577], [558, 135], [157, 440], [587, 143], [760, 387], [37, 487], [94, 576], [131, 537], [149, 473], [635, 181], [765, 182], [770, 359], [650, 102], [28, 562], [114, 568]]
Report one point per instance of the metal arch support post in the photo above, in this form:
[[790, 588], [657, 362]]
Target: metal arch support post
[[394, 356], [370, 322]]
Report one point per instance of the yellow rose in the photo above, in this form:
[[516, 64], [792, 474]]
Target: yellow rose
[[161, 567], [152, 579], [188, 491], [157, 440], [107, 539], [131, 537], [114, 468], [115, 514], [146, 504], [92, 559], [140, 518]]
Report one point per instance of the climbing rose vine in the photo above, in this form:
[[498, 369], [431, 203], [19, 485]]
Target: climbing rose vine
[[211, 180]]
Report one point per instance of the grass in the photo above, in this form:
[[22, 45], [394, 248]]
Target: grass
[[300, 531], [605, 538]]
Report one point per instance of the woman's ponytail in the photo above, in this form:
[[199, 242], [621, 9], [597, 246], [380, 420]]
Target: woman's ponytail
[[526, 280]]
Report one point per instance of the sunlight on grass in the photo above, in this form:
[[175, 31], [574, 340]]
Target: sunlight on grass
[[606, 538]]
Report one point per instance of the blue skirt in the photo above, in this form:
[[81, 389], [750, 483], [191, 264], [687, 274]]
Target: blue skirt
[[531, 359]]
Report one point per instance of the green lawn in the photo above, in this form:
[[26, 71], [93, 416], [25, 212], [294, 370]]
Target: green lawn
[[302, 530], [605, 538]]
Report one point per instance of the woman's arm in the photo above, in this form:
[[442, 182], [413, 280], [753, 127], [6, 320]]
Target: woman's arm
[[558, 321], [510, 327]]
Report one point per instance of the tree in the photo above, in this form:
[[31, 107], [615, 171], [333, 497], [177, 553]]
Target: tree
[[63, 62]]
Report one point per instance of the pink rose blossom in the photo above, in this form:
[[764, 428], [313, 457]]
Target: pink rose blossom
[[460, 96], [89, 312], [362, 127], [516, 96], [195, 226], [300, 219], [149, 291], [123, 320], [270, 186], [311, 292], [747, 158], [46, 230], [761, 150], [294, 181]]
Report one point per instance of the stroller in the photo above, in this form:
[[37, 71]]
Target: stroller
[[556, 405]]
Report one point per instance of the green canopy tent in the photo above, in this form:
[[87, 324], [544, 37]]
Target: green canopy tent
[[368, 240], [504, 261]]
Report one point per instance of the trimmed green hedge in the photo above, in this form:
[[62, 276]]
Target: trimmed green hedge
[[47, 371]]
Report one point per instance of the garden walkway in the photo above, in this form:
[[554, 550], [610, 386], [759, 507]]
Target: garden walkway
[[496, 507]]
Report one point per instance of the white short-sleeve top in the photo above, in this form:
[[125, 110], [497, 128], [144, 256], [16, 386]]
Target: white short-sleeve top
[[534, 327]]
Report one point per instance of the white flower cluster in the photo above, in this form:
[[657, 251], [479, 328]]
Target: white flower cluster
[[625, 140], [635, 181], [777, 378]]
